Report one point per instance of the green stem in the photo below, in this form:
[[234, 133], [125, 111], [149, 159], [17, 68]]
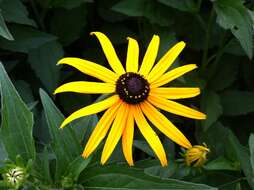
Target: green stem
[[207, 39]]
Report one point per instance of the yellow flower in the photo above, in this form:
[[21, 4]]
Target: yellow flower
[[136, 95], [196, 155]]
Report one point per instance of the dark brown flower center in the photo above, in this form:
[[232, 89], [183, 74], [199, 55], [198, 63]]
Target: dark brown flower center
[[132, 88]]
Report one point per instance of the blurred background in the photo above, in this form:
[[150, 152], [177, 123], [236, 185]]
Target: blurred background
[[35, 34]]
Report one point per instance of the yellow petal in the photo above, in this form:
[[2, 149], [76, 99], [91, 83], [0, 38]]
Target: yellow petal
[[127, 138], [115, 132], [164, 125], [200, 162], [132, 56], [150, 56], [101, 129], [172, 75], [150, 136], [175, 93], [86, 87], [91, 109], [175, 108], [91, 69], [165, 62], [109, 52]]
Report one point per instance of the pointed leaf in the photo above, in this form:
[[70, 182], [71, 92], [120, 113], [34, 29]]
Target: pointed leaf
[[121, 177], [183, 5], [210, 104], [43, 61], [222, 163], [17, 121], [233, 15], [77, 166], [243, 157], [4, 30], [15, 11], [64, 141], [251, 145], [237, 102], [26, 38]]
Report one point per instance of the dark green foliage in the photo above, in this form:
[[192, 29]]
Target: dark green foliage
[[35, 34], [17, 121]]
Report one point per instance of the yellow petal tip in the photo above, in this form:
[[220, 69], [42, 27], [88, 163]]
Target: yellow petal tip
[[55, 92], [62, 125], [103, 162], [202, 116], [85, 155], [130, 162], [61, 61], [94, 33], [182, 43]]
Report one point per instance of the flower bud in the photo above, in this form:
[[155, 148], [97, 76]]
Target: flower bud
[[196, 155]]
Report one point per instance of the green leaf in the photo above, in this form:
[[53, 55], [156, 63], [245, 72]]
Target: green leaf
[[17, 121], [222, 163], [3, 153], [77, 166], [226, 73], [251, 145], [143, 145], [4, 30], [237, 102], [117, 34], [72, 22], [213, 138], [84, 127], [62, 24], [162, 172], [154, 12], [41, 169], [14, 11], [130, 8], [25, 91], [64, 141], [67, 4], [167, 40], [183, 5], [234, 47], [232, 14], [25, 39], [120, 177], [43, 61], [244, 158], [189, 27], [210, 104]]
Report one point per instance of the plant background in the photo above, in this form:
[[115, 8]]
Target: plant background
[[35, 34]]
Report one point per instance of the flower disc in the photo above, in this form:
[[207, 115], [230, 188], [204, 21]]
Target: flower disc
[[132, 88]]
